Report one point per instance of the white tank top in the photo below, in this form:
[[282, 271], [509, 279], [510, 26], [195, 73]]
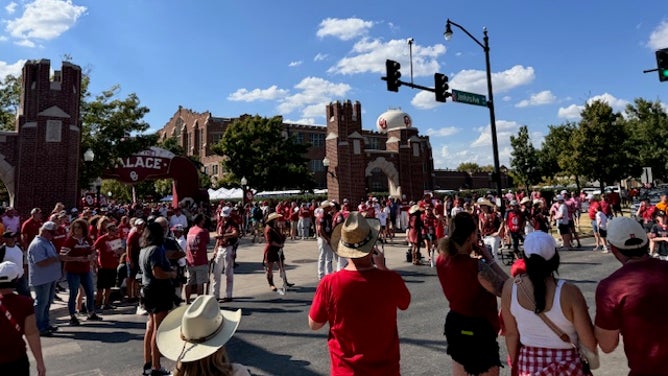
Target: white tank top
[[533, 330]]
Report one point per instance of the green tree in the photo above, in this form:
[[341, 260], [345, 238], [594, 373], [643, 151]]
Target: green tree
[[524, 159], [468, 167], [647, 128], [113, 128], [600, 145], [10, 92], [555, 153], [255, 147]]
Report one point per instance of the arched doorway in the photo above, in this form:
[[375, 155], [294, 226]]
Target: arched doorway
[[7, 175], [389, 170]]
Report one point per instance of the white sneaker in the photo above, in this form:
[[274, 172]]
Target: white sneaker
[[605, 250], [141, 311]]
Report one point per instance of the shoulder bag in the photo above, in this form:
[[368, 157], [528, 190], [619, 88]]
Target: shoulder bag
[[589, 358]]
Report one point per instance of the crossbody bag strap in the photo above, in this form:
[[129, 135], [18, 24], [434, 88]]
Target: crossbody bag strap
[[560, 333], [9, 317]]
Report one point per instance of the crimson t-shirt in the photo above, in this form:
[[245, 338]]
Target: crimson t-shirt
[[74, 247], [634, 300], [361, 309], [30, 229], [12, 346], [458, 275], [109, 247], [197, 242], [134, 247]]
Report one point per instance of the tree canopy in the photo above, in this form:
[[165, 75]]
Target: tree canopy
[[256, 148], [524, 158]]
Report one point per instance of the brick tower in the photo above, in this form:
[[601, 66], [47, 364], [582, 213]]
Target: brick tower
[[47, 154]]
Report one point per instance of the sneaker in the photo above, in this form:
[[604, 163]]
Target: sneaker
[[141, 311], [605, 250], [147, 369], [94, 317], [160, 372], [74, 321]]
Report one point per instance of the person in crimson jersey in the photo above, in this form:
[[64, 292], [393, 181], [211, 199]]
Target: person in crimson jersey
[[514, 222], [196, 257], [17, 321], [645, 214], [429, 224], [471, 280], [77, 254], [132, 249], [109, 247], [30, 227], [360, 344], [633, 301]]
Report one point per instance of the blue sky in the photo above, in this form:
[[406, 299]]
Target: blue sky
[[290, 58]]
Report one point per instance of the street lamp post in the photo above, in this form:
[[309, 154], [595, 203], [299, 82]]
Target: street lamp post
[[243, 182], [490, 102]]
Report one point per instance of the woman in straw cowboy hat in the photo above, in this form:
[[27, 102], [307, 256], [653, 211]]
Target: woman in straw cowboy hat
[[360, 303], [274, 240], [414, 233], [194, 335]]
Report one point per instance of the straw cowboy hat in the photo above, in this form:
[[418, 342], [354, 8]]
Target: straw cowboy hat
[[484, 202], [525, 200], [356, 236], [195, 331], [414, 208], [273, 216]]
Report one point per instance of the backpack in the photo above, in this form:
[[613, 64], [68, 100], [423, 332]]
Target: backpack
[[513, 221], [257, 213]]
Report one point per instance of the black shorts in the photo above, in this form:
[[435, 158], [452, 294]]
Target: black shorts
[[603, 233], [19, 367], [133, 271], [564, 229], [106, 278], [471, 343], [158, 298]]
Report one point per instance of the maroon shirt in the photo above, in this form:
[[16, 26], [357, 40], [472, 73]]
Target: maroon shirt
[[634, 300], [12, 346]]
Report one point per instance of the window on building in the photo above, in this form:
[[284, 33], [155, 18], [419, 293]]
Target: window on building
[[316, 165], [317, 139], [214, 169], [416, 149], [216, 137], [373, 143], [357, 148], [206, 170], [299, 137]]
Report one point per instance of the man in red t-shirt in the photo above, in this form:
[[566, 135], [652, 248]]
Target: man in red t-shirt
[[197, 261], [360, 344], [109, 247], [30, 227], [633, 301]]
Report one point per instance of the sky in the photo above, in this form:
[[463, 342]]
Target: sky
[[291, 58]]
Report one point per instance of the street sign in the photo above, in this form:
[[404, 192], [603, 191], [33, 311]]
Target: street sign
[[469, 98]]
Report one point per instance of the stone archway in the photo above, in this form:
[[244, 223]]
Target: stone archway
[[388, 169], [7, 175]]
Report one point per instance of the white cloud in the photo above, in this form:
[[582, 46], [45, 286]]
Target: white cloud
[[538, 99], [475, 81], [295, 63], [425, 100], [44, 20], [504, 129], [369, 55], [11, 7], [659, 37], [13, 69], [320, 57], [314, 93], [507, 98], [442, 132], [344, 29], [571, 112], [271, 93]]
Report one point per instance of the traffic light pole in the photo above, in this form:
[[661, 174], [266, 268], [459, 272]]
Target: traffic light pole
[[490, 105]]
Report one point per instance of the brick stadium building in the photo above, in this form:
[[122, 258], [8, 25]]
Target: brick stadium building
[[356, 155]]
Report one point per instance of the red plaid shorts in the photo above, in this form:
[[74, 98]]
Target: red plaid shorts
[[539, 361]]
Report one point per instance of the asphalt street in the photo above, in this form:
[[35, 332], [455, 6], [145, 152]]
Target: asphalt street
[[273, 337]]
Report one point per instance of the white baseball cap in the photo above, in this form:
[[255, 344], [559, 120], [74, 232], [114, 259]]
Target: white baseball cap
[[9, 271], [541, 244], [626, 234]]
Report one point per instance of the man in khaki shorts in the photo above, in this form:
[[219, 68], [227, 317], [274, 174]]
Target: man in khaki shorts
[[196, 257]]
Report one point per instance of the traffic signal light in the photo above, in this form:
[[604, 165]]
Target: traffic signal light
[[662, 64], [441, 87], [393, 75]]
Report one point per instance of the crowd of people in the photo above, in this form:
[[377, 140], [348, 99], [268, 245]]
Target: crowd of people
[[159, 258]]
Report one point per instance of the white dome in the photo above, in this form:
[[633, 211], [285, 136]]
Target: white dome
[[393, 119]]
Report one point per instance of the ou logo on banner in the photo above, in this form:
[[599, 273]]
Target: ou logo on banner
[[382, 123]]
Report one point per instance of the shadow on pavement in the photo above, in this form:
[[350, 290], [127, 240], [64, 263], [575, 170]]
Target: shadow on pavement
[[270, 363], [107, 337], [580, 263]]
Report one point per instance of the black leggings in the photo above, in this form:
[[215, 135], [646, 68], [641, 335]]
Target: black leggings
[[471, 343]]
